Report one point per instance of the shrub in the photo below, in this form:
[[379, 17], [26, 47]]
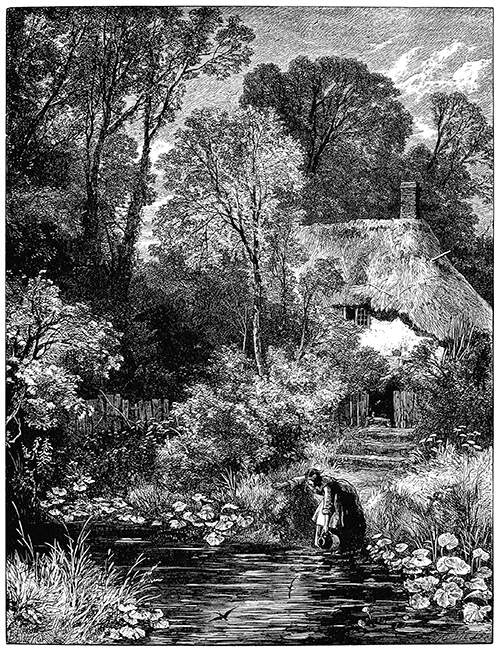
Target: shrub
[[116, 460], [455, 390], [63, 597], [451, 492], [246, 423]]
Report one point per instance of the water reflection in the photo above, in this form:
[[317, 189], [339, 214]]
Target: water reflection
[[282, 597]]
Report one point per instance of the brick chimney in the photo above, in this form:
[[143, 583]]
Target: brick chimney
[[409, 200]]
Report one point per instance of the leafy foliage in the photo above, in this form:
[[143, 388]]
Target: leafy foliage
[[51, 347], [350, 125], [249, 423]]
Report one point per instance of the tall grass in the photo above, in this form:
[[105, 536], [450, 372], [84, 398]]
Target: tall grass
[[62, 596], [450, 493]]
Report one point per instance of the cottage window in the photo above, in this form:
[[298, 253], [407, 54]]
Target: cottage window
[[362, 317], [358, 315]]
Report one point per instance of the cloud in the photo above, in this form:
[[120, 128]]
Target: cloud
[[400, 67], [467, 76]]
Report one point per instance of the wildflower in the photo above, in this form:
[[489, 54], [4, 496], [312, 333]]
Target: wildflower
[[161, 624], [417, 601], [447, 541], [179, 506], [230, 506], [474, 613], [401, 548], [156, 522], [448, 595], [224, 525], [244, 522]]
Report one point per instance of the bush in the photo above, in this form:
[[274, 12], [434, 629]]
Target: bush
[[63, 597], [245, 423], [455, 390], [116, 460]]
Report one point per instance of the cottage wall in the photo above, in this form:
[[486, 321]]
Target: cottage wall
[[393, 339]]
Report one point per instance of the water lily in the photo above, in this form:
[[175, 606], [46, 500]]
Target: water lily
[[137, 519], [401, 547], [60, 492], [384, 541], [475, 613], [484, 572], [477, 584], [481, 554], [423, 584], [448, 595], [175, 524], [214, 539], [245, 522], [418, 601], [127, 607], [454, 565], [133, 633], [161, 624], [420, 557], [447, 541], [207, 513]]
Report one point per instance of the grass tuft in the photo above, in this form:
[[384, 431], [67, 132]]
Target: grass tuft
[[62, 596]]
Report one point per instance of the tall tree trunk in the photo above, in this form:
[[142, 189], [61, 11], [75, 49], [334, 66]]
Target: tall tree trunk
[[126, 250], [256, 316]]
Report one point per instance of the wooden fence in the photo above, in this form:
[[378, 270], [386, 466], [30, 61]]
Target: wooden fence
[[354, 410], [112, 412], [405, 408]]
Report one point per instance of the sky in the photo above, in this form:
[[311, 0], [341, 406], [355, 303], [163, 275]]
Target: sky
[[423, 50]]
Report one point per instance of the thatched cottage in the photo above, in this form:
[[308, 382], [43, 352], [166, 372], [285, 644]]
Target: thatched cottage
[[399, 284]]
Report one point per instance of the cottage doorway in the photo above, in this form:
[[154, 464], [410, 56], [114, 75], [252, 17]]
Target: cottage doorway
[[382, 404]]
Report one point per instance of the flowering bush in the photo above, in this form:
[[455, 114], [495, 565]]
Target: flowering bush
[[435, 578]]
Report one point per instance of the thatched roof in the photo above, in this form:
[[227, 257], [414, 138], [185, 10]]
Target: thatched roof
[[388, 265]]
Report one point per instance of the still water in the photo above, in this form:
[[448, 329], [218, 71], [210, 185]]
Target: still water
[[284, 597]]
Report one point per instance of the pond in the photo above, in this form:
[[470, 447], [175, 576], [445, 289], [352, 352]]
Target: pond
[[285, 597]]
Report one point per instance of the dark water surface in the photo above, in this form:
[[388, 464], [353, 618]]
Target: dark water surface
[[323, 605]]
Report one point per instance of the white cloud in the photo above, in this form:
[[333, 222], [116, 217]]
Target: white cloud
[[466, 77], [423, 131], [400, 67]]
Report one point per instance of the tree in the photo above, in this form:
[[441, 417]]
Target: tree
[[135, 71], [450, 174], [87, 79], [349, 123], [229, 175]]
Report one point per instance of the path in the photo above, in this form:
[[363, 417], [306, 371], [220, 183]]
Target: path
[[380, 452]]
